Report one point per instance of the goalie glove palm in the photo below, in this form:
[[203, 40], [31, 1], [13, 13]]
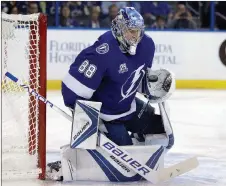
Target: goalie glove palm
[[160, 84]]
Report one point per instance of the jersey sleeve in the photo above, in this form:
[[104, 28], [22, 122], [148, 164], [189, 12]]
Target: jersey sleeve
[[151, 52], [143, 88], [84, 76]]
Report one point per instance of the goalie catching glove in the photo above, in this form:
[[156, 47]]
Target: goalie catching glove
[[158, 85]]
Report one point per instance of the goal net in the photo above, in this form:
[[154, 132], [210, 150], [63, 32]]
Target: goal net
[[23, 117]]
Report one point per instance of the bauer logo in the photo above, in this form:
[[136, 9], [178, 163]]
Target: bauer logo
[[222, 52], [120, 163], [81, 131], [129, 161]]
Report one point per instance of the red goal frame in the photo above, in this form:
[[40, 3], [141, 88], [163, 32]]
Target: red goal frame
[[41, 25]]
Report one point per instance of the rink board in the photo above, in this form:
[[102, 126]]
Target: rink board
[[192, 56]]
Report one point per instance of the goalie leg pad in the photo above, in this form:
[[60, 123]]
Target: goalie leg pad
[[68, 163], [64, 170], [85, 124], [156, 139]]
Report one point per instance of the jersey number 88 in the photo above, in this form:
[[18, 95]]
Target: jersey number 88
[[88, 69]]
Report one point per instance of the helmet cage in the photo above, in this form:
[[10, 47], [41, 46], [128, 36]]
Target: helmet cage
[[125, 27], [122, 24]]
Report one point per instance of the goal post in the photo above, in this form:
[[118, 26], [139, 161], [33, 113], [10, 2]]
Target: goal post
[[24, 40]]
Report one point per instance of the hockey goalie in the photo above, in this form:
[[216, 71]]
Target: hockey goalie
[[115, 135]]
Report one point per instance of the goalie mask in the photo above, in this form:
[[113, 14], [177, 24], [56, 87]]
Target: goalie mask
[[128, 28]]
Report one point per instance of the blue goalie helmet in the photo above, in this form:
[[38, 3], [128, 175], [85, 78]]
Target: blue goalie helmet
[[128, 28]]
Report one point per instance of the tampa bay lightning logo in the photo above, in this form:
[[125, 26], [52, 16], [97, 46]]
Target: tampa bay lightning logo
[[103, 48], [132, 83]]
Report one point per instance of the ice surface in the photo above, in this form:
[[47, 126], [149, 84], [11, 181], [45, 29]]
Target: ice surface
[[199, 122]]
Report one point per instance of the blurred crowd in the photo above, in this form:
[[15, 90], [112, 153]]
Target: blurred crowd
[[99, 14]]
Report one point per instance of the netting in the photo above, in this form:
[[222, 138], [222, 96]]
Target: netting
[[20, 56]]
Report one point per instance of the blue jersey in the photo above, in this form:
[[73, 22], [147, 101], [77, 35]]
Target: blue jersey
[[103, 73]]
